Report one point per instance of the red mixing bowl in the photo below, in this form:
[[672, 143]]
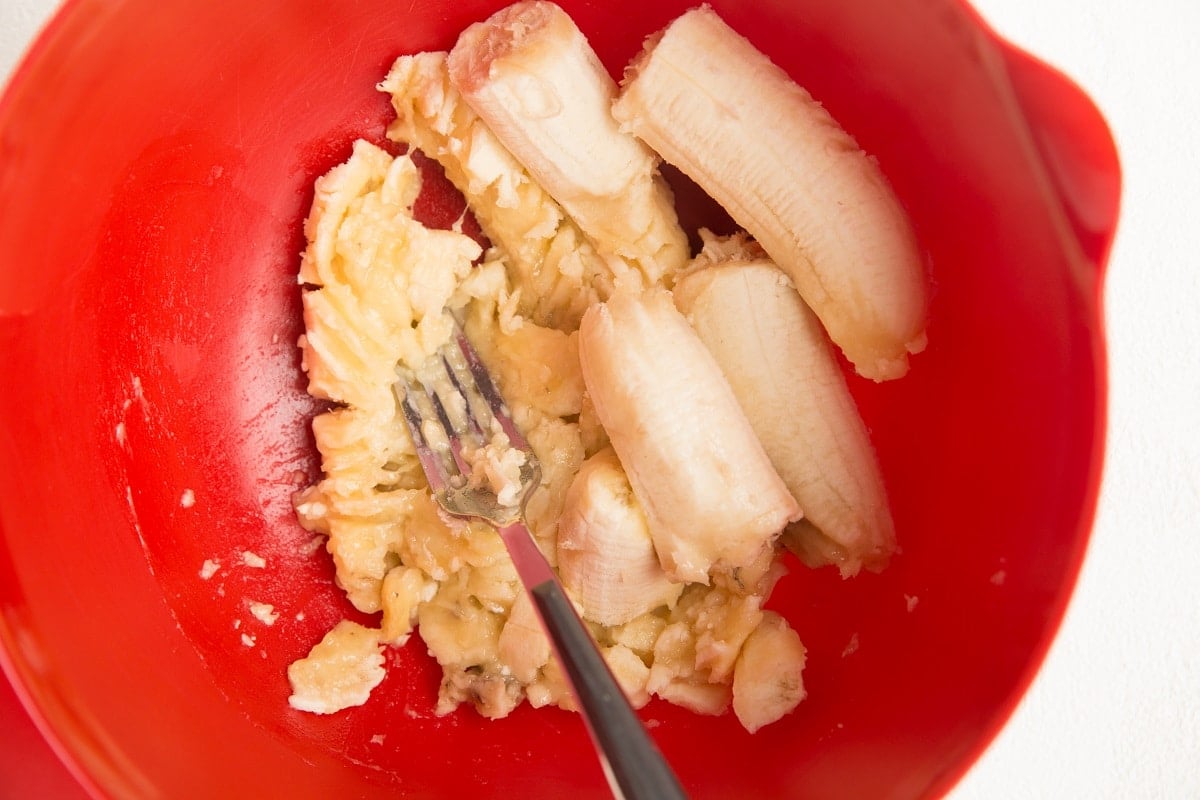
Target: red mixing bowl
[[156, 163]]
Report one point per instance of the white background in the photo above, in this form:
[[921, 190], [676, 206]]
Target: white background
[[1115, 712]]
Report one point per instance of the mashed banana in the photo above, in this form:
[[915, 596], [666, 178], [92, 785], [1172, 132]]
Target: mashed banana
[[379, 289]]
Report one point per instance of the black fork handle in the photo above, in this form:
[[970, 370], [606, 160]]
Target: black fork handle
[[635, 768]]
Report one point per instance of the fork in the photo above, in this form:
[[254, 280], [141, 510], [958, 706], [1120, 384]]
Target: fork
[[453, 409]]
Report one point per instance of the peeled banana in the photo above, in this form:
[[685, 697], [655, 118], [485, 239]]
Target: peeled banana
[[606, 558], [710, 103], [531, 76], [774, 354], [711, 497], [556, 272]]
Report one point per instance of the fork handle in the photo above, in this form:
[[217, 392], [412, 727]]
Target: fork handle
[[635, 768]]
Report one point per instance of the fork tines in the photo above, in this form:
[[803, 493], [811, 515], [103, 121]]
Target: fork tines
[[451, 406]]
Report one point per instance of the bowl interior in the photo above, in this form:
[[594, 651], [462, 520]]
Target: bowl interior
[[157, 163]]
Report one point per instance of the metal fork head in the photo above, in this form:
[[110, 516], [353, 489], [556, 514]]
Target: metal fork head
[[465, 436]]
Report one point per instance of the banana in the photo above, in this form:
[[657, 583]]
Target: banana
[[711, 104], [711, 497], [379, 280], [403, 591], [631, 673], [774, 354], [675, 678], [768, 677], [522, 645], [720, 620], [462, 631], [639, 635], [554, 268], [606, 558], [531, 76], [339, 672]]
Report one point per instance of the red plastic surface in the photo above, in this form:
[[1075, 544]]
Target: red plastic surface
[[156, 162], [29, 767]]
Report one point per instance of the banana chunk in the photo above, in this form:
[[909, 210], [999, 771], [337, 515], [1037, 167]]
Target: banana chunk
[[720, 110], [631, 673], [711, 497], [606, 558], [402, 592], [523, 646], [339, 672], [768, 678], [776, 358], [531, 76]]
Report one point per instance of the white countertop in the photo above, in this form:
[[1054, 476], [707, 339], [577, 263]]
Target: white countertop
[[1115, 711]]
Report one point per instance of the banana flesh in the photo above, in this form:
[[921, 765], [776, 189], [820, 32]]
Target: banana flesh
[[606, 558], [631, 673], [462, 632], [701, 434], [773, 351], [403, 591], [361, 319], [675, 678], [711, 497], [531, 76], [710, 103], [555, 270], [522, 645], [339, 672], [768, 680]]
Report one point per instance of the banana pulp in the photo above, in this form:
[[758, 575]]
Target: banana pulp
[[762, 147], [774, 352], [689, 416], [530, 75], [711, 496]]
